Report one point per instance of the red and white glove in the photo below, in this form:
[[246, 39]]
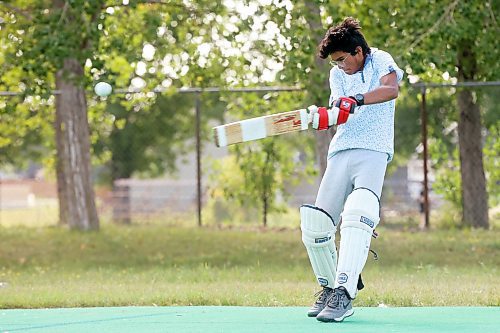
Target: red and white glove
[[346, 106], [323, 118]]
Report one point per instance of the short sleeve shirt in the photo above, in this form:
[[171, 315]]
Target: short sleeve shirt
[[371, 126]]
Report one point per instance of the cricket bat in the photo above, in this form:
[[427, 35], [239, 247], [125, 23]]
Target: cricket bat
[[261, 127]]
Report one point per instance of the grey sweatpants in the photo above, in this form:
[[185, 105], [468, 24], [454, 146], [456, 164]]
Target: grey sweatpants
[[347, 170]]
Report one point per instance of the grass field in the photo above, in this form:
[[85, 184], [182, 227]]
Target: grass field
[[159, 265]]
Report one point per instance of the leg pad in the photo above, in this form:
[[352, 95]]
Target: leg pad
[[359, 219], [318, 236]]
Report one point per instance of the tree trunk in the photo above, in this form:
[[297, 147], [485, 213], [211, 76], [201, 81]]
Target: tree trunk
[[76, 195], [474, 194]]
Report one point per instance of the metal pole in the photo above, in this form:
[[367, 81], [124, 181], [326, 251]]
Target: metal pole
[[267, 89], [424, 142], [456, 85], [180, 90], [198, 157]]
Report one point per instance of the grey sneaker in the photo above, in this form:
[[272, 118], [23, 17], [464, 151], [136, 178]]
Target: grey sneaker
[[338, 307], [320, 303]]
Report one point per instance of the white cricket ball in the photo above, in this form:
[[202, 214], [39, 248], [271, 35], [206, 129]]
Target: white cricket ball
[[103, 89]]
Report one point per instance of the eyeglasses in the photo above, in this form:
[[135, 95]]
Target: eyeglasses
[[340, 63]]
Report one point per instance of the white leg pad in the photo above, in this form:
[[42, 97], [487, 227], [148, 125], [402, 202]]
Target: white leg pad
[[318, 236], [359, 219]]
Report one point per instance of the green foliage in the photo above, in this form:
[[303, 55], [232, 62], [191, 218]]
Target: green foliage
[[209, 43], [448, 217], [443, 138], [23, 119], [264, 170], [452, 42], [145, 134], [407, 129], [492, 165], [111, 39], [490, 104], [23, 124], [428, 44], [448, 182]]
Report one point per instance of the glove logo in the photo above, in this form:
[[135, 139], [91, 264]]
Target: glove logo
[[342, 278], [346, 105]]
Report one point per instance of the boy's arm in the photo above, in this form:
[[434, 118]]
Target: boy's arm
[[388, 90]]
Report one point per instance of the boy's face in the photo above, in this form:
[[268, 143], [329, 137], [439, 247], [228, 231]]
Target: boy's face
[[347, 62]]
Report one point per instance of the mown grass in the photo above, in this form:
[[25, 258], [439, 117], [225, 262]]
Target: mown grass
[[40, 215], [174, 265]]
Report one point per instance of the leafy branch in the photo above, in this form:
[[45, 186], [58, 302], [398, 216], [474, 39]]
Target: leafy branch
[[24, 13], [448, 13], [145, 2]]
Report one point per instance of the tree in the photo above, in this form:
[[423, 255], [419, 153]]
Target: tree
[[455, 39], [67, 44], [444, 152], [51, 56], [147, 142], [258, 172]]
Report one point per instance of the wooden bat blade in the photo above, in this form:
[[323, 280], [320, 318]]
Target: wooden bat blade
[[261, 127]]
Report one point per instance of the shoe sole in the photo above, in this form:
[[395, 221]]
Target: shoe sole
[[337, 320], [314, 314]]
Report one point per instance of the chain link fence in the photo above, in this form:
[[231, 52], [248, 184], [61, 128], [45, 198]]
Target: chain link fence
[[427, 124]]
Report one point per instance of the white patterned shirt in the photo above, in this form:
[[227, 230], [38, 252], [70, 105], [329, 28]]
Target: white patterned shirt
[[371, 126]]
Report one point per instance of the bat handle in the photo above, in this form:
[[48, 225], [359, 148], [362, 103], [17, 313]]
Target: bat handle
[[311, 110]]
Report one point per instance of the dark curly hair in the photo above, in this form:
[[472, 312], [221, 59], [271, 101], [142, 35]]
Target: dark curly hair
[[345, 37]]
